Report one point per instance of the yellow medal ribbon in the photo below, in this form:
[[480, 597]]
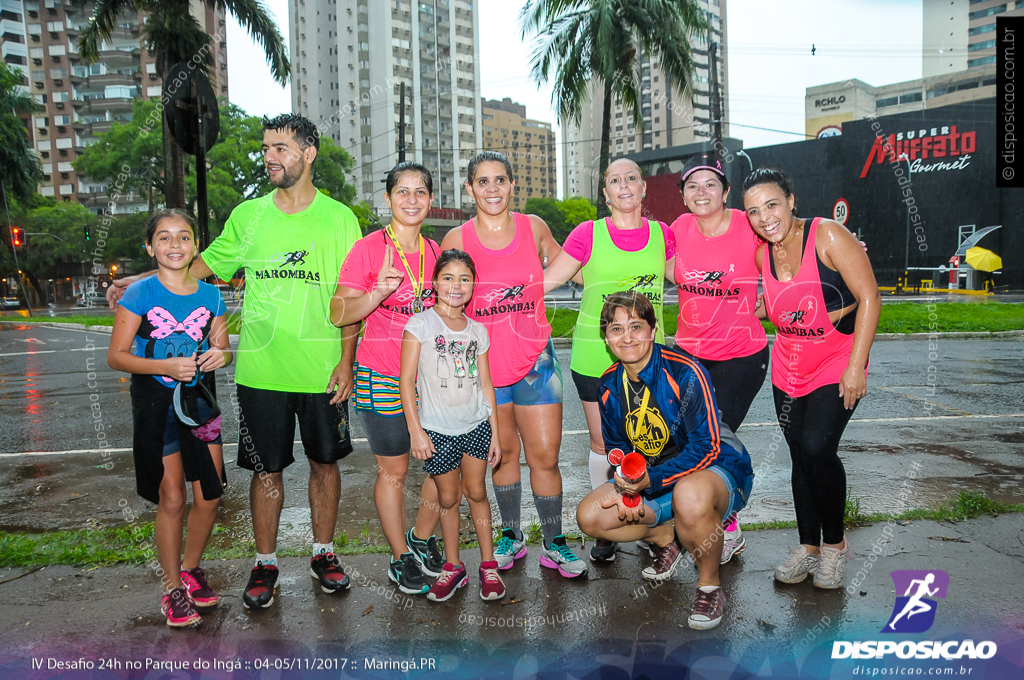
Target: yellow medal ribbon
[[643, 407], [417, 282]]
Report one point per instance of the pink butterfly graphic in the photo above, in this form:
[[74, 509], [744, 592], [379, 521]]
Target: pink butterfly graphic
[[164, 323]]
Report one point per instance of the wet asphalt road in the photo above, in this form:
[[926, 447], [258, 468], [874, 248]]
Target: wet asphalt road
[[967, 435]]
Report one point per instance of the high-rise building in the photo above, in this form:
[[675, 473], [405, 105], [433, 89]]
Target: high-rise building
[[670, 117], [81, 101], [960, 34], [349, 60], [528, 144]]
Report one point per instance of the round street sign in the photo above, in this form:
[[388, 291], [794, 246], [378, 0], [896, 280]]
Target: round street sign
[[841, 211]]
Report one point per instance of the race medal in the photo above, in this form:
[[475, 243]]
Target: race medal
[[417, 281]]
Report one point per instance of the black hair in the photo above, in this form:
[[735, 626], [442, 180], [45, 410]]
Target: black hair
[[485, 157], [303, 130], [773, 175], [635, 303], [404, 167], [453, 255], [158, 216], [707, 160]]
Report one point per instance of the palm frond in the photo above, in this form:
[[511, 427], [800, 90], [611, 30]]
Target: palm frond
[[253, 15], [101, 26]]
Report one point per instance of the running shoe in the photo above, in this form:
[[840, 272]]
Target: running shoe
[[708, 608], [797, 566], [426, 554], [665, 561], [405, 571], [559, 556], [646, 545], [451, 579], [259, 592], [179, 609], [199, 590], [509, 549], [491, 585], [831, 572], [325, 569], [733, 542], [604, 551]]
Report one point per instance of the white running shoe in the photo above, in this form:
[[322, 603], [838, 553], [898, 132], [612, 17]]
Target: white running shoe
[[797, 566]]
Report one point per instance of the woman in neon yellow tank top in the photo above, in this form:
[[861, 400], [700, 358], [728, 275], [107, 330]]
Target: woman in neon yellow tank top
[[623, 252]]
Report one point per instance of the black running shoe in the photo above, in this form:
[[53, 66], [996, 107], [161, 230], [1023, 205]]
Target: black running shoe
[[426, 554], [325, 568], [259, 592], [405, 571], [603, 551]]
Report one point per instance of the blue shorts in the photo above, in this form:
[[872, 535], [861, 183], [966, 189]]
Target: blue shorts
[[542, 385], [662, 503], [212, 429]]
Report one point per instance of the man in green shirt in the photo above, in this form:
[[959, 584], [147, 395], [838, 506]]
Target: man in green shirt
[[291, 362]]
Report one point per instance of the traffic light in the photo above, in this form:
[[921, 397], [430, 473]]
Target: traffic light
[[17, 237], [88, 236]]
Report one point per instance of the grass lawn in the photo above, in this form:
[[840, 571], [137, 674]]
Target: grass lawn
[[899, 317]]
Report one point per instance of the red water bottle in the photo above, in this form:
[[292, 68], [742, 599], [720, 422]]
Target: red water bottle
[[632, 469]]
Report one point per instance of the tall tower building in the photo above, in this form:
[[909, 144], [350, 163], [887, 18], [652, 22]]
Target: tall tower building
[[81, 101], [528, 144], [960, 34], [349, 59], [670, 117]]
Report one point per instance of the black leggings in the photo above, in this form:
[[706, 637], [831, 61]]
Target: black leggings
[[813, 425], [736, 382]]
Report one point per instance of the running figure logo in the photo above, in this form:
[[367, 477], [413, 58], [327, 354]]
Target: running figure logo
[[711, 278], [638, 282], [914, 612], [294, 258], [796, 317], [499, 295]]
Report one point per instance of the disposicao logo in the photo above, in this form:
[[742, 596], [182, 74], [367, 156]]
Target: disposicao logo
[[914, 612]]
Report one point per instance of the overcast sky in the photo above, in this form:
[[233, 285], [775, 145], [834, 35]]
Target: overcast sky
[[770, 61]]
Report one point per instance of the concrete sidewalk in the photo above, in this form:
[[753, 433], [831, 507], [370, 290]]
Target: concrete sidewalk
[[66, 613]]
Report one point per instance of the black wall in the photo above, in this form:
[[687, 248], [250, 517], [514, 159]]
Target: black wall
[[824, 170]]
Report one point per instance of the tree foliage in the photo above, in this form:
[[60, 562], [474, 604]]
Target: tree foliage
[[235, 163], [580, 41], [20, 170], [561, 216]]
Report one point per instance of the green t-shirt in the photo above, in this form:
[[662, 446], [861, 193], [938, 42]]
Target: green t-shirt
[[291, 267]]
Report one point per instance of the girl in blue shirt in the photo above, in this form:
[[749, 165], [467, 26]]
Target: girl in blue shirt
[[170, 334]]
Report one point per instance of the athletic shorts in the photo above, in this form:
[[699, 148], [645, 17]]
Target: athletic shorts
[[387, 435], [586, 386], [542, 385], [738, 496], [448, 449], [266, 428], [209, 433]]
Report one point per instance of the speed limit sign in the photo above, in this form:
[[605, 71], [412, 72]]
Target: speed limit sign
[[841, 211]]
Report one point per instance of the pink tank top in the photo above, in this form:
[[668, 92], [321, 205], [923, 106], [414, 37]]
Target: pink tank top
[[717, 279], [808, 352], [509, 301]]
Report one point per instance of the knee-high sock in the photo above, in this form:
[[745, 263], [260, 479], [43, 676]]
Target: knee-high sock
[[510, 505]]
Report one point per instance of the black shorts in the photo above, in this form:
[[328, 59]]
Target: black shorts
[[387, 435], [586, 386], [266, 428], [448, 449]]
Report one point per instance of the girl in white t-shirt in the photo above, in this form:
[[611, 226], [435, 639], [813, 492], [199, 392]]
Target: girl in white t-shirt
[[455, 427]]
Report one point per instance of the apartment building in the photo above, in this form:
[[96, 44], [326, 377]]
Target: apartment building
[[528, 144], [349, 60]]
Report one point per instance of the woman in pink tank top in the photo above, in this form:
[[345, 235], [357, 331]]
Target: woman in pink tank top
[[816, 278], [509, 250]]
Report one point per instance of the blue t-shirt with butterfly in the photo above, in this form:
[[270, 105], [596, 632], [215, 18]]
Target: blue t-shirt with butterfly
[[172, 325]]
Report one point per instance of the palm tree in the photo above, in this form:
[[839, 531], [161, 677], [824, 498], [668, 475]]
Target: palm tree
[[602, 41], [173, 33], [19, 167]]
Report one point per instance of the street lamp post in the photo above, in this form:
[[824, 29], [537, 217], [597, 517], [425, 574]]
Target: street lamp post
[[906, 256]]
